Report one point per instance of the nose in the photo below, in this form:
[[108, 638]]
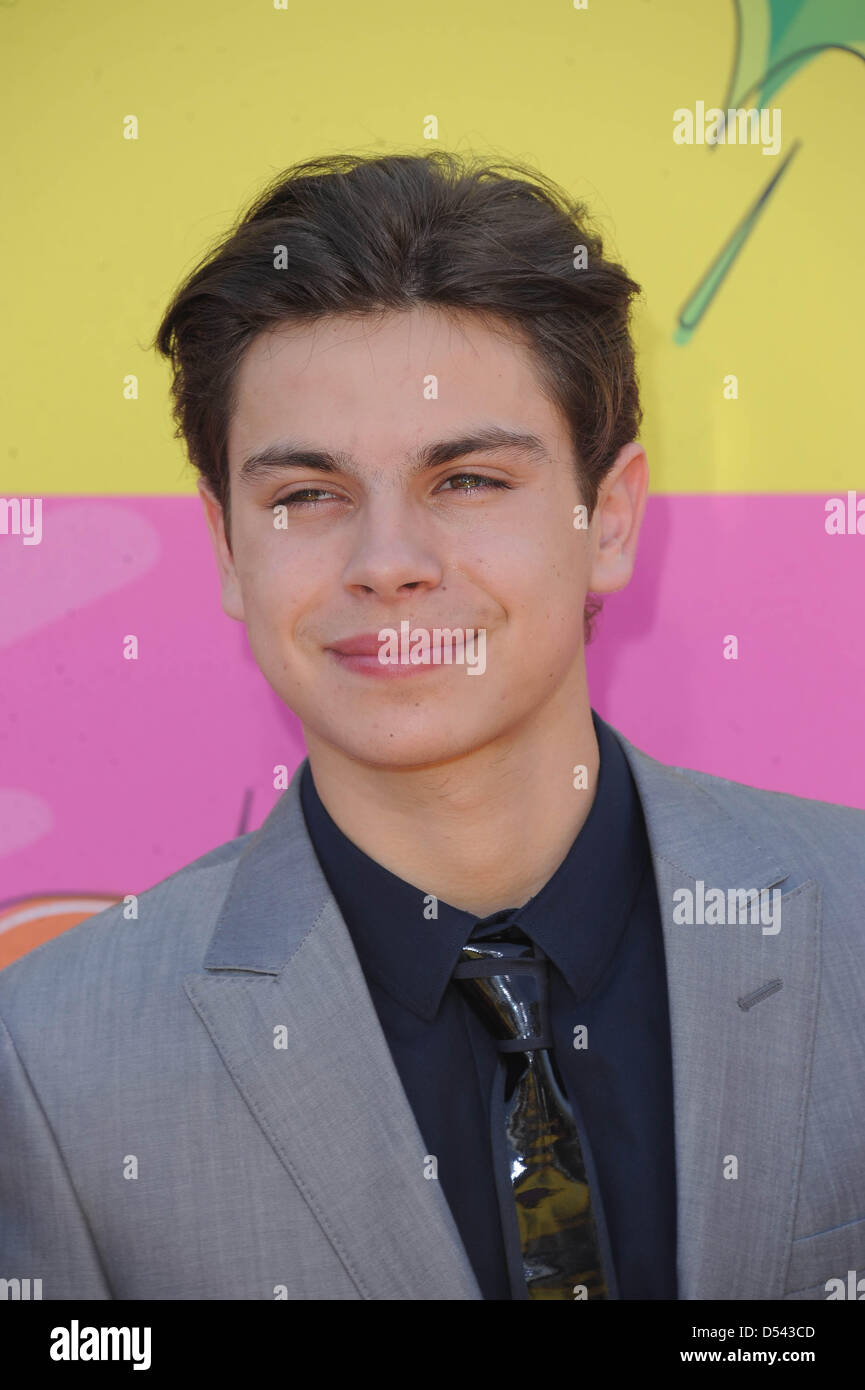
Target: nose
[[393, 552]]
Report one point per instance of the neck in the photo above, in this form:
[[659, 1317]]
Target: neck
[[482, 832]]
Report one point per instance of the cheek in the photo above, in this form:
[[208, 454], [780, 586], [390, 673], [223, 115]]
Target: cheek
[[283, 601], [567, 569], [267, 594], [549, 611], [541, 582], [267, 570]]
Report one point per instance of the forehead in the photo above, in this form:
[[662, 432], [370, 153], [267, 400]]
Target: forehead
[[384, 381]]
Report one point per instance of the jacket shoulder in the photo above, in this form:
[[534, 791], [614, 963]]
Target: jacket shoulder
[[163, 931], [814, 842], [822, 832]]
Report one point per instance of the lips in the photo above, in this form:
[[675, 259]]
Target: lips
[[368, 644], [364, 644]]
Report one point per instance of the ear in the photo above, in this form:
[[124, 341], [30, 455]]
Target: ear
[[618, 518], [232, 601]]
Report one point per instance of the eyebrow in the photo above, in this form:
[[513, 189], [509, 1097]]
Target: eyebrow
[[285, 454]]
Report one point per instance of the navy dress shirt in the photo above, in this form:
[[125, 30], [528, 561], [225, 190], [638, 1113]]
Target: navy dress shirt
[[597, 920]]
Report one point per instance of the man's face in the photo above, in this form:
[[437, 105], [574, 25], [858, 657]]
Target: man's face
[[481, 540]]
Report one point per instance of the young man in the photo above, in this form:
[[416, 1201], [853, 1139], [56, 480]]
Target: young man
[[447, 1026]]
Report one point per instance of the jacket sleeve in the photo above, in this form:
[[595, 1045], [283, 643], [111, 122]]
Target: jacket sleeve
[[43, 1231]]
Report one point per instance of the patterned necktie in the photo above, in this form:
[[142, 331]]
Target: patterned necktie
[[506, 980]]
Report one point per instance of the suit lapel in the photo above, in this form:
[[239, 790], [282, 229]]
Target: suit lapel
[[740, 1069], [284, 999]]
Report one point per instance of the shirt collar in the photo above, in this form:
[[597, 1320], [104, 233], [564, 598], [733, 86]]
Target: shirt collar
[[577, 918]]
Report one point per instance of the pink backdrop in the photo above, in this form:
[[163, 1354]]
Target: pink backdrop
[[114, 773]]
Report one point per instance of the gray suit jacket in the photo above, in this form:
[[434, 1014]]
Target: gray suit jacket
[[200, 1103]]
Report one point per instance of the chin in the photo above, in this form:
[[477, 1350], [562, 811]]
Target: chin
[[385, 745]]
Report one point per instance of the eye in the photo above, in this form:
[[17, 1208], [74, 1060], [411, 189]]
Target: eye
[[475, 478], [300, 498]]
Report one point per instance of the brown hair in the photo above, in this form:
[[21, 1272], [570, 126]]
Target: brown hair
[[363, 234]]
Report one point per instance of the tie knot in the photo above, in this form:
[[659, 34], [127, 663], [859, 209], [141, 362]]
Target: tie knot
[[505, 979]]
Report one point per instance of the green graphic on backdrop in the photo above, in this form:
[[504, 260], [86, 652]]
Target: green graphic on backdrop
[[775, 39]]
